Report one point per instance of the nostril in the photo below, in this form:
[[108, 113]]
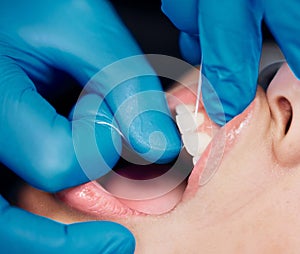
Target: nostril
[[268, 73], [288, 125], [286, 109]]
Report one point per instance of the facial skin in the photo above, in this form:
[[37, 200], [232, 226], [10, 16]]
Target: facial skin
[[251, 204]]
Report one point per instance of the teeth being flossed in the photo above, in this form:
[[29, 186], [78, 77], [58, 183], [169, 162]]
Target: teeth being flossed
[[184, 108], [188, 122], [195, 142]]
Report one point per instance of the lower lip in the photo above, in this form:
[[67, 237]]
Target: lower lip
[[94, 200]]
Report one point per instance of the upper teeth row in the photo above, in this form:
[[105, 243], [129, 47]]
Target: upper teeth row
[[188, 122]]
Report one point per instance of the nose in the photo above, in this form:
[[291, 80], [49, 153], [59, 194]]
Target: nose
[[283, 98]]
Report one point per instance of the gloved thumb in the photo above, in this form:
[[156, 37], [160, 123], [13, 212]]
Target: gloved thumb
[[23, 232], [37, 143], [133, 92]]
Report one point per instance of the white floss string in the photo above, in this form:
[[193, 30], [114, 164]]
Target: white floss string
[[112, 126], [199, 88]]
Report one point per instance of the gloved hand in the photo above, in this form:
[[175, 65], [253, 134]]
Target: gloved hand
[[38, 41], [231, 40]]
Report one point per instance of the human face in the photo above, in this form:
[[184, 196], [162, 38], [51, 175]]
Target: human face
[[250, 205]]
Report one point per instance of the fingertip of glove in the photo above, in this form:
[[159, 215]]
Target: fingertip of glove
[[102, 237], [155, 137], [220, 116], [123, 239], [124, 245]]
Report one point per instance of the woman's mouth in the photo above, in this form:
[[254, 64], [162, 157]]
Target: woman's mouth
[[141, 190]]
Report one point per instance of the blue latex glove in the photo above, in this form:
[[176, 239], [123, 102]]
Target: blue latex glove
[[38, 38], [231, 40]]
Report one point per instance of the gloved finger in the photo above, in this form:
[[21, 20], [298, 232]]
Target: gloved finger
[[183, 14], [96, 136], [23, 232], [190, 48], [230, 33], [141, 111], [146, 122], [35, 141], [282, 18]]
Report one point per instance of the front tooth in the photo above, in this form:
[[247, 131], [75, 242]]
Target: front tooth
[[195, 142], [188, 122], [184, 108]]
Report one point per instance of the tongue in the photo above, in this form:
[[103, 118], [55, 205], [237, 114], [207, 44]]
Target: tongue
[[159, 205], [151, 189]]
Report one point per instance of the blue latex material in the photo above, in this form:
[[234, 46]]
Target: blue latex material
[[38, 38], [23, 232], [231, 40]]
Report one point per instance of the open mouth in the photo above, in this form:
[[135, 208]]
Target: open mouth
[[158, 189]]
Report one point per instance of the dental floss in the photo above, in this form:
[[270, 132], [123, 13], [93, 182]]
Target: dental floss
[[112, 126], [199, 88]]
